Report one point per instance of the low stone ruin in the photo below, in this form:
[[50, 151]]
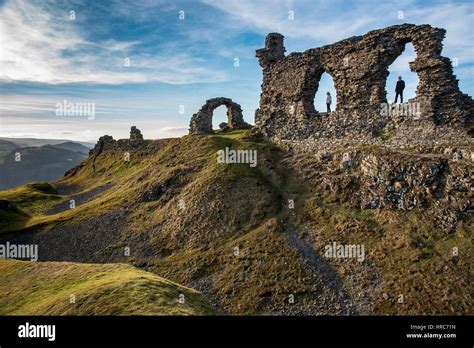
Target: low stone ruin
[[201, 122], [107, 142]]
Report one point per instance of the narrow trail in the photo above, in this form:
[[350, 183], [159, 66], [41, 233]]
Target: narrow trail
[[347, 305], [335, 293]]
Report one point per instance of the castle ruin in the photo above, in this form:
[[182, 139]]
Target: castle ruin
[[359, 68]]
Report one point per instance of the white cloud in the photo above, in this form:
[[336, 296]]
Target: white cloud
[[174, 129], [34, 43], [458, 20], [327, 21], [313, 19], [32, 106]]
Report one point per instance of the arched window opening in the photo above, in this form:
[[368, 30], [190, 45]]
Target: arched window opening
[[219, 115], [400, 71], [321, 99]]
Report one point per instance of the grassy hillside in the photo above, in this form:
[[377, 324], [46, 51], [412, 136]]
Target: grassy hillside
[[230, 231], [44, 163], [31, 288], [72, 146], [23, 203]]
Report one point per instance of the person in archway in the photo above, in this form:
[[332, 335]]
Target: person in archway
[[328, 101], [400, 86]]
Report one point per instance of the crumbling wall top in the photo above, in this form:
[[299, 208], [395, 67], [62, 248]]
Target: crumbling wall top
[[274, 50]]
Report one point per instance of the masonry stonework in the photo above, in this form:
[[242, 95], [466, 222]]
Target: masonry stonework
[[201, 122], [135, 134], [359, 67], [107, 142]]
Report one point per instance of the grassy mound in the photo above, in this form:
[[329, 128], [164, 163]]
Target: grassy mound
[[21, 203], [253, 238], [30, 288]]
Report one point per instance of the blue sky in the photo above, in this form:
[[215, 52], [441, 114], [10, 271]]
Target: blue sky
[[49, 55]]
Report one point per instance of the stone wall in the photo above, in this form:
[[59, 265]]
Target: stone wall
[[107, 142], [201, 122], [359, 67]]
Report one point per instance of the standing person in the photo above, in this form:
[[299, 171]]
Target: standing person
[[399, 89], [328, 101]]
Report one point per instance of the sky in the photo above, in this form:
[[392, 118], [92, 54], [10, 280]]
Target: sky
[[154, 63]]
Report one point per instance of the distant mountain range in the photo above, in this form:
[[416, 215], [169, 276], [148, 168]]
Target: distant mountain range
[[24, 160], [33, 142]]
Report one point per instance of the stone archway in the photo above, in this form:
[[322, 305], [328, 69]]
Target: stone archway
[[201, 122]]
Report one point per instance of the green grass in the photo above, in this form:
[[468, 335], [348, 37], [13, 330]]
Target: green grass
[[237, 205], [32, 198], [238, 134], [385, 135], [266, 269], [27, 201], [46, 288], [410, 254]]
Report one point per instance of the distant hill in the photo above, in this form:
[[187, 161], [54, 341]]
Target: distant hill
[[72, 146], [33, 142], [45, 288], [5, 147], [44, 163]]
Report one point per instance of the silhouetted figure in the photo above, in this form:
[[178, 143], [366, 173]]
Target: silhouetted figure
[[399, 89], [328, 101]]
